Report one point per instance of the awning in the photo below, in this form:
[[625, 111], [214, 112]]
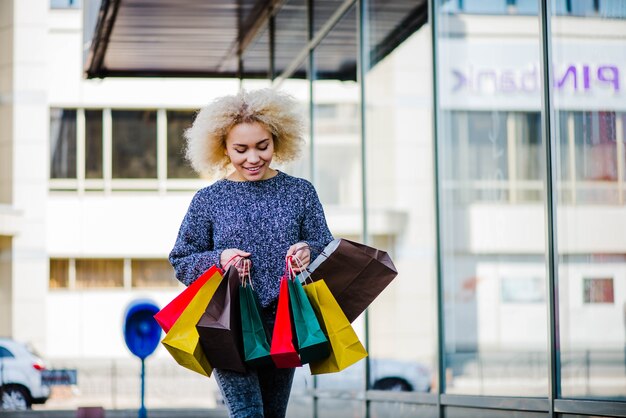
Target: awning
[[207, 38]]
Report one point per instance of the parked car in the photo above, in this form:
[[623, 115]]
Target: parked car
[[20, 376]]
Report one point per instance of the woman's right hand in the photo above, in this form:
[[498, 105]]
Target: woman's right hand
[[233, 256]]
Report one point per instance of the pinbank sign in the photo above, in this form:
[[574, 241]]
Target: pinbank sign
[[508, 76]]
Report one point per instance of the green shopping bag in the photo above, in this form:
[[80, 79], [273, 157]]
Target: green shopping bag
[[312, 344], [256, 338]]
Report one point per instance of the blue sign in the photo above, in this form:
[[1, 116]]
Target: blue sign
[[141, 331]]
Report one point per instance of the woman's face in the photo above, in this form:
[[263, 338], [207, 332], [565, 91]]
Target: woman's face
[[250, 148]]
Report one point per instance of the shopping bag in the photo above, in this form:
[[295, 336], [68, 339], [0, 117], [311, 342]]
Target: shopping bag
[[345, 347], [355, 274], [255, 336], [170, 313], [182, 341], [219, 328], [282, 349], [311, 343]]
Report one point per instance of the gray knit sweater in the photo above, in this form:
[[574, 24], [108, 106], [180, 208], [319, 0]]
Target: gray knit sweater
[[262, 217]]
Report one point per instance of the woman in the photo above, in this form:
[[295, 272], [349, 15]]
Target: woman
[[255, 213]]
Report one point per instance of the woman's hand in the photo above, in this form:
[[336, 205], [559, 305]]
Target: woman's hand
[[236, 257], [300, 254]]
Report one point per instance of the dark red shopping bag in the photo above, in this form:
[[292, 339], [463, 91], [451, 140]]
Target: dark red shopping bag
[[170, 313], [283, 351]]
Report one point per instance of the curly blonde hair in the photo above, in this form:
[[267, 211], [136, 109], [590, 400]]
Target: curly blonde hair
[[275, 111]]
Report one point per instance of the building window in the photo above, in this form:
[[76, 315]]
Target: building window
[[134, 144], [153, 273], [598, 290], [63, 143], [95, 273], [177, 122], [59, 273], [93, 144]]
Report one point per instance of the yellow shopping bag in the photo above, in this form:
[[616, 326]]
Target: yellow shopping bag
[[345, 347], [182, 340]]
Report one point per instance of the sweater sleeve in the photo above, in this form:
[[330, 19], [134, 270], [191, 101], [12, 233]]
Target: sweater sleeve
[[314, 229], [193, 252]]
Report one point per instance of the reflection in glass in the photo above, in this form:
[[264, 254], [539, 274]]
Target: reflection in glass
[[134, 144], [177, 166], [299, 89], [93, 144], [400, 201], [491, 204], [62, 143], [590, 110], [291, 36], [337, 166]]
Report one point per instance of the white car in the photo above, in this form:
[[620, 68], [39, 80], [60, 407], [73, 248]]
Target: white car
[[20, 376]]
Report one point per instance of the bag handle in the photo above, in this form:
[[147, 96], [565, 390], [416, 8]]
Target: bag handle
[[245, 278], [303, 271], [231, 259]]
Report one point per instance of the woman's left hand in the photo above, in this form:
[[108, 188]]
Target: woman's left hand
[[300, 254]]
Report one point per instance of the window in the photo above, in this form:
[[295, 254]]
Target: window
[[5, 353], [153, 273], [94, 273], [177, 122], [598, 290], [93, 144], [88, 273], [130, 150], [59, 273], [63, 143], [134, 144]]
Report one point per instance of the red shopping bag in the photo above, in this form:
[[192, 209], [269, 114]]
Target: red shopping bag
[[167, 316], [283, 351]]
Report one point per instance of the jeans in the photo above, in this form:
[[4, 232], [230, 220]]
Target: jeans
[[259, 393]]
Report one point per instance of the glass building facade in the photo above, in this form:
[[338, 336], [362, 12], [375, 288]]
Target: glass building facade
[[480, 143]]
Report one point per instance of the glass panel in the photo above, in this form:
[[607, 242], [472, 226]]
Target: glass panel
[[337, 147], [134, 144], [300, 400], [291, 35], [322, 11], [177, 165], [459, 412], [590, 110], [401, 216], [95, 273], [256, 57], [65, 4], [59, 273], [333, 408], [337, 161], [63, 143], [153, 273], [491, 202], [93, 144], [402, 410], [299, 88]]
